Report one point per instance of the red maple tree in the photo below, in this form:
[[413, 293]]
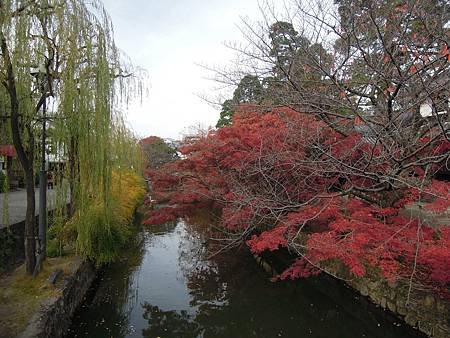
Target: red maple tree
[[284, 179]]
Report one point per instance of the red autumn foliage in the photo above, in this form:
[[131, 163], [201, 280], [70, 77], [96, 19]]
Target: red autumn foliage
[[269, 240], [301, 268], [150, 140], [8, 150], [285, 179]]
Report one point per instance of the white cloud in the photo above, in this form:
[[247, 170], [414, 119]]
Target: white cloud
[[168, 38]]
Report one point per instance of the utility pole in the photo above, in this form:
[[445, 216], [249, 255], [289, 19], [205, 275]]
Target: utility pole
[[41, 76], [43, 188]]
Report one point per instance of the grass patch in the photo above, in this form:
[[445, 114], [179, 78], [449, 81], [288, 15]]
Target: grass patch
[[21, 295]]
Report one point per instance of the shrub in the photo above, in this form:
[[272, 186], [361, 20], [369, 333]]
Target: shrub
[[101, 229]]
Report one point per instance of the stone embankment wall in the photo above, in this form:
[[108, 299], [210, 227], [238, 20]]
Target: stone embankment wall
[[54, 317], [12, 246], [423, 310], [12, 238]]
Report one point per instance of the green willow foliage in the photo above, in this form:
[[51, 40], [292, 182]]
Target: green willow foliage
[[87, 78], [101, 229]]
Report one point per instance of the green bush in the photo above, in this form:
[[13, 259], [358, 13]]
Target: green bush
[[54, 248], [101, 235], [54, 239]]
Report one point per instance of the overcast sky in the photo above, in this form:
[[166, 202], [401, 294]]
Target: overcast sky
[[168, 38]]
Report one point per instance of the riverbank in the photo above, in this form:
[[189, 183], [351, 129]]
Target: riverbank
[[421, 309], [43, 306]]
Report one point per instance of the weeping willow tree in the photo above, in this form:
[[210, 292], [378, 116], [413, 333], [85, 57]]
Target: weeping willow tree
[[83, 77]]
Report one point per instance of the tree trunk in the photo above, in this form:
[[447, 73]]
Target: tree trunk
[[9, 170], [26, 157]]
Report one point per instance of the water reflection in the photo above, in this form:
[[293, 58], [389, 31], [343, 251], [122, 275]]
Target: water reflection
[[166, 287], [169, 323]]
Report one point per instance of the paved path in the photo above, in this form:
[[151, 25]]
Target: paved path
[[17, 203]]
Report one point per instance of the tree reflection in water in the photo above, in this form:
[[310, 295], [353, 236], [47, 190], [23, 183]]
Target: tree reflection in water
[[169, 323], [110, 301], [233, 297]]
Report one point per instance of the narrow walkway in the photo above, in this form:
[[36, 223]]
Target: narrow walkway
[[17, 205]]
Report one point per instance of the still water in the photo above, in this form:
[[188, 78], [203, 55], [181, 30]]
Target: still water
[[167, 287]]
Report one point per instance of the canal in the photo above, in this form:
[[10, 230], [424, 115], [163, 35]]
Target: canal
[[165, 286]]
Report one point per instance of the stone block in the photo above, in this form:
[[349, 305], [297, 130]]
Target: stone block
[[54, 276], [440, 306], [376, 297], [426, 328], [401, 308], [391, 306], [411, 319], [429, 301], [440, 332], [373, 285], [364, 290]]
